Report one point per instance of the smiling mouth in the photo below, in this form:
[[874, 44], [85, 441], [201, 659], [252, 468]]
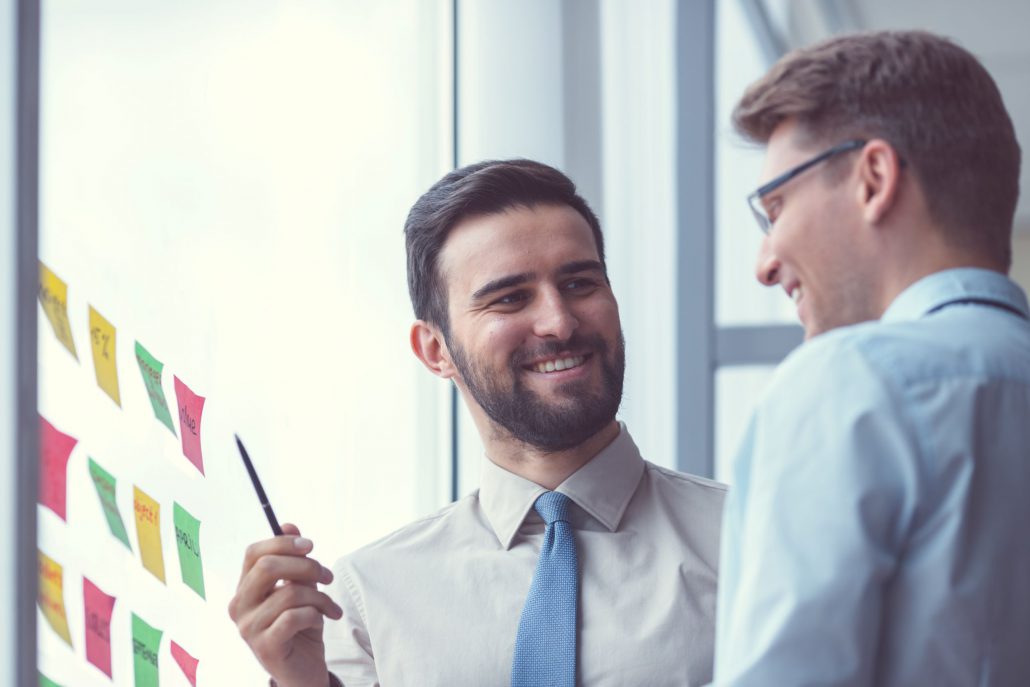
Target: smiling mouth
[[558, 364], [796, 294]]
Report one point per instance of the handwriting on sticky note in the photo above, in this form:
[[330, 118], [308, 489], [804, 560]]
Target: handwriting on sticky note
[[98, 607], [148, 532], [102, 336], [187, 537], [145, 643], [51, 596], [53, 296], [191, 409], [107, 489], [55, 447], [151, 368]]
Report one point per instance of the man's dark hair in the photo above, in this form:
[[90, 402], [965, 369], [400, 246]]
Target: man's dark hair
[[929, 98], [484, 188]]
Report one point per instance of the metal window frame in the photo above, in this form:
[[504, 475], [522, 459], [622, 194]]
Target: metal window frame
[[27, 277]]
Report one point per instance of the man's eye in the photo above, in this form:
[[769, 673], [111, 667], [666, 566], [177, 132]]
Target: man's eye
[[513, 298], [772, 208], [582, 285]]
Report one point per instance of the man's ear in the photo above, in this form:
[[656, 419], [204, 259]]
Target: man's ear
[[428, 345], [879, 172]]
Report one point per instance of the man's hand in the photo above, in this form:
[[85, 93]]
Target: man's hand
[[279, 610]]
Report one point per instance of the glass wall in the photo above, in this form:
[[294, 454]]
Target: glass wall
[[223, 191]]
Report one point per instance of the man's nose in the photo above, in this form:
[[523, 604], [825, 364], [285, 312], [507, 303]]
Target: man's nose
[[554, 318], [767, 269]]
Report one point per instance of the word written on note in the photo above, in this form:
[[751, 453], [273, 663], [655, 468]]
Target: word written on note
[[55, 447], [145, 642], [53, 296], [102, 336], [186, 662], [150, 367], [98, 608], [51, 596], [148, 532], [106, 489], [191, 408], [187, 536]]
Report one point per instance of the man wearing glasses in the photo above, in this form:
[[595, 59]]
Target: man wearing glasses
[[876, 529]]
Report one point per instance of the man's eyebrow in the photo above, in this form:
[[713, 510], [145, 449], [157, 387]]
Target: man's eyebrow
[[581, 266], [502, 283]]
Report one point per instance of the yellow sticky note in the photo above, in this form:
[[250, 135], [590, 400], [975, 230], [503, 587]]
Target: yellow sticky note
[[148, 532], [102, 336], [51, 596], [53, 296]]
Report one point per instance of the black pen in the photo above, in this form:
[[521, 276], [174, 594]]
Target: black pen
[[262, 497]]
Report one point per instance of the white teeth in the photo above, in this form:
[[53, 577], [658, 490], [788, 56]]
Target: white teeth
[[795, 295], [560, 364]]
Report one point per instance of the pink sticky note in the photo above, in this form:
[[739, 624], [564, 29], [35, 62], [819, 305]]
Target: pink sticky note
[[55, 448], [98, 607], [186, 662], [191, 407]]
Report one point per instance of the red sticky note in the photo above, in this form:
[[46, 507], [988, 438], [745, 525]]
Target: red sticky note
[[191, 407], [98, 607], [186, 662], [55, 448]]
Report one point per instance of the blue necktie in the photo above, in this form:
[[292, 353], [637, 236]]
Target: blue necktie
[[545, 646]]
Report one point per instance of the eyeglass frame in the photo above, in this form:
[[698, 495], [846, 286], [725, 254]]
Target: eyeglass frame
[[754, 199]]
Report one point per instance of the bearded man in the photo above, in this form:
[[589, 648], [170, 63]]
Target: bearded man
[[576, 562]]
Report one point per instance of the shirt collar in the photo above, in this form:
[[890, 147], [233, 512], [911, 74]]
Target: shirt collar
[[602, 487], [962, 283]]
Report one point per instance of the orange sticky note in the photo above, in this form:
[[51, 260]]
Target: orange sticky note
[[148, 532], [55, 448], [53, 296], [51, 596], [186, 662], [191, 408], [102, 336]]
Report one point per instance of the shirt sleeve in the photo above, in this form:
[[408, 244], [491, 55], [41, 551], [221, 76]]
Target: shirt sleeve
[[822, 491], [348, 647]]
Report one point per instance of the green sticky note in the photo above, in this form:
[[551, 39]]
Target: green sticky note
[[145, 643], [105, 484], [187, 536], [44, 681], [150, 367]]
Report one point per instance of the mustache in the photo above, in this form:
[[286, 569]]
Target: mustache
[[579, 343]]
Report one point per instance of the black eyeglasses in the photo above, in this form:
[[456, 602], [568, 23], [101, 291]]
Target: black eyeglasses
[[755, 199]]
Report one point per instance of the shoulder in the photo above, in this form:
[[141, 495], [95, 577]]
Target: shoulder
[[426, 535], [686, 489]]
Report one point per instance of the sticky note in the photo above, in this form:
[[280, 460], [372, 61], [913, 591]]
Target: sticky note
[[187, 536], [44, 681], [55, 447], [150, 367], [186, 662], [148, 532], [51, 596], [98, 608], [102, 336], [53, 296], [106, 488], [145, 643], [191, 407]]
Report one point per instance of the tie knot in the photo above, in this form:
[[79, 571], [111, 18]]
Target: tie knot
[[553, 507]]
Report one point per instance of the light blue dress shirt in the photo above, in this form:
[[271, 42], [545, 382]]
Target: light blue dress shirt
[[877, 529]]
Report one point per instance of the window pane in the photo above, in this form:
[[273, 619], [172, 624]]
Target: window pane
[[227, 184]]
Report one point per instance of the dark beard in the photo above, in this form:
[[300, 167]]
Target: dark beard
[[546, 426]]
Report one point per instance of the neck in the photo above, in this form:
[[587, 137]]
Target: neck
[[930, 253], [548, 469]]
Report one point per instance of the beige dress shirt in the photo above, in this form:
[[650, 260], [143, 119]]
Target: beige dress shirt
[[438, 602]]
